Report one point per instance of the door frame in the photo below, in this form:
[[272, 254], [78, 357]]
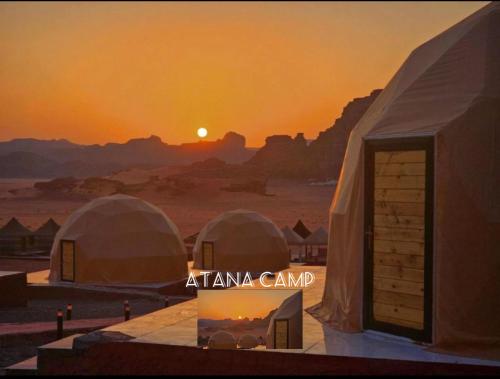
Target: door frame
[[74, 260], [287, 332], [203, 243], [398, 144]]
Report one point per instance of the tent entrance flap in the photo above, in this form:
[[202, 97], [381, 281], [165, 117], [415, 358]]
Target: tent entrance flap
[[398, 237], [68, 260], [281, 333], [208, 255]]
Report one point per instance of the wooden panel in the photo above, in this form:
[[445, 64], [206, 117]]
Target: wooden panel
[[68, 260], [391, 169], [399, 247], [398, 299], [396, 285], [399, 209], [395, 272], [408, 314], [415, 222], [208, 255], [400, 260], [399, 235], [410, 156], [400, 195], [393, 234], [281, 334]]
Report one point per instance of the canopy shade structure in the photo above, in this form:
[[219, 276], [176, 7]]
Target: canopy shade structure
[[301, 229], [445, 96], [118, 239], [14, 229], [319, 237], [285, 326], [241, 240], [291, 237], [50, 228], [222, 340]]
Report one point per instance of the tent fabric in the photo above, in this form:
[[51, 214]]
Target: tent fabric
[[243, 241], [14, 229], [291, 237], [222, 340], [291, 310], [301, 229], [50, 228], [247, 341], [121, 239], [318, 237], [448, 88]]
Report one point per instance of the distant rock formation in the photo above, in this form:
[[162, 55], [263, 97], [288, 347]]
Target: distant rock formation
[[284, 156], [59, 158]]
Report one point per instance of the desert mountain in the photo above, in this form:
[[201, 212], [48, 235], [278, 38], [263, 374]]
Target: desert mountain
[[284, 156], [59, 158]]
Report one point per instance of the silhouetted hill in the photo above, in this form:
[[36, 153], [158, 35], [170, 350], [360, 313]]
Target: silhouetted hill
[[284, 156], [54, 158]]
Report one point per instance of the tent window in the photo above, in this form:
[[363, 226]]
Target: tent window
[[207, 248], [281, 334], [68, 260]]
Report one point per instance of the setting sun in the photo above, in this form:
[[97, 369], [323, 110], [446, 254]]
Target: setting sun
[[202, 132]]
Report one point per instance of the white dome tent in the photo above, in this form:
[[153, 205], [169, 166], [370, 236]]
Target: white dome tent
[[118, 239], [222, 340], [247, 341], [285, 327], [241, 240]]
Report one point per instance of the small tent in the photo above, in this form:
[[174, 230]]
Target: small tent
[[118, 239], [316, 246], [222, 340], [285, 326], [415, 220], [295, 244], [15, 237], [241, 240]]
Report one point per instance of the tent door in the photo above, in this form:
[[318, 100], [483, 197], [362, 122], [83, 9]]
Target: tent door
[[207, 249], [281, 334], [68, 260], [398, 237]]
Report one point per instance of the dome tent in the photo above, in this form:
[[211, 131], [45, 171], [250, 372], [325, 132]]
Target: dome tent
[[446, 97], [241, 240], [118, 239], [289, 313], [222, 340], [247, 341]]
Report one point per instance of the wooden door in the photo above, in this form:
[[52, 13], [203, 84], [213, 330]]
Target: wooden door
[[398, 237], [68, 260], [281, 334], [207, 248]]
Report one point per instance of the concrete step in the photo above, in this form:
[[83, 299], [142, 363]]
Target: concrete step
[[26, 367]]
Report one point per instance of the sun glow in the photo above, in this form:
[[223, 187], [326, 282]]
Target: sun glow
[[202, 132]]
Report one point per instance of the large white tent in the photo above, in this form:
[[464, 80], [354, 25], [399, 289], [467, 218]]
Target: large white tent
[[241, 240], [118, 239], [289, 314], [446, 97]]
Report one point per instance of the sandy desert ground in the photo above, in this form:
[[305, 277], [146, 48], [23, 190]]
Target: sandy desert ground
[[288, 202]]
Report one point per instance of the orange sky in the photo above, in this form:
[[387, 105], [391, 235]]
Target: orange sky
[[100, 72], [221, 304]]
